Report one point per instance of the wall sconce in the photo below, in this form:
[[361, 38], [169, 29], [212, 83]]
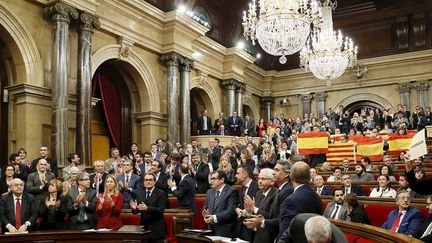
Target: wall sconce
[[360, 71]]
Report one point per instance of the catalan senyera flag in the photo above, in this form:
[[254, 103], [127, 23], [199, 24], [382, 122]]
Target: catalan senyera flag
[[338, 151], [312, 143], [336, 137], [370, 147], [399, 143]]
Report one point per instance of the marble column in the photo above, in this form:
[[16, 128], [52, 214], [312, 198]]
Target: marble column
[[230, 86], [404, 92], [306, 101], [172, 61], [321, 98], [84, 109], [423, 93], [267, 103], [61, 15], [241, 87], [185, 132]]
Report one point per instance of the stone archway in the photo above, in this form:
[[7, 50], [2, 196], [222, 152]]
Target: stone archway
[[211, 98], [254, 108], [364, 97]]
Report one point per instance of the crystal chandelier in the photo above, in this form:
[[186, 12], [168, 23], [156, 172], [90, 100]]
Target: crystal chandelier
[[281, 26], [327, 54]]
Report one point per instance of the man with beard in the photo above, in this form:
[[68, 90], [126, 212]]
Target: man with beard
[[337, 209], [361, 174]]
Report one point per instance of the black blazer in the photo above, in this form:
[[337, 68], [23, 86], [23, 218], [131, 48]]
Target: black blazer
[[262, 234], [200, 124], [420, 186], [252, 190], [422, 229], [51, 161], [90, 210], [101, 185], [162, 182], [202, 178], [185, 193], [357, 190], [7, 210], [359, 215], [52, 218], [153, 218]]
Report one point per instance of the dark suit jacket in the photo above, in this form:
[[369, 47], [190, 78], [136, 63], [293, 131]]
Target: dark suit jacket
[[237, 121], [303, 200], [412, 221], [225, 132], [326, 191], [185, 193], [201, 178], [200, 124], [101, 185], [359, 215], [52, 218], [224, 210], [7, 210], [262, 234], [135, 183], [33, 183], [343, 210], [90, 210], [216, 124], [420, 186], [357, 190], [214, 157], [252, 190], [153, 218], [249, 127], [162, 182], [51, 161], [422, 229]]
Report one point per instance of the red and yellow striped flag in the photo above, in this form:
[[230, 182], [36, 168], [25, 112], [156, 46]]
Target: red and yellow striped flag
[[370, 147], [355, 138], [312, 143], [399, 143], [338, 151]]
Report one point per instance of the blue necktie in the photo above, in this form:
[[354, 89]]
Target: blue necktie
[[216, 201]]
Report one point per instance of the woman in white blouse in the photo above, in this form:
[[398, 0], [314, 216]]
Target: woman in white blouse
[[384, 189]]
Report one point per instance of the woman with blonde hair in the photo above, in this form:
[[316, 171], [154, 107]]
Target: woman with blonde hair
[[52, 206], [109, 205], [225, 165]]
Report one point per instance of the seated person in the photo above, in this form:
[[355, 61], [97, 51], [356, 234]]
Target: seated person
[[366, 161], [356, 212], [337, 172], [349, 187], [319, 186], [404, 185], [387, 170], [424, 232], [412, 219], [337, 209], [384, 189], [361, 174]]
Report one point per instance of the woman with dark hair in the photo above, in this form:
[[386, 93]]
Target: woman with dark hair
[[384, 189], [8, 174], [52, 206], [261, 128], [387, 170], [356, 212]]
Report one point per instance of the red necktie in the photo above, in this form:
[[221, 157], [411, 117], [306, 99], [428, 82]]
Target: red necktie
[[18, 213], [396, 222], [244, 191]]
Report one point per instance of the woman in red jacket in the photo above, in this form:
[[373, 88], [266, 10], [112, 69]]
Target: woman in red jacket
[[109, 205]]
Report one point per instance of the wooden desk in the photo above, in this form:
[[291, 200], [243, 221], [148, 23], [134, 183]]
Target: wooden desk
[[190, 238], [78, 236]]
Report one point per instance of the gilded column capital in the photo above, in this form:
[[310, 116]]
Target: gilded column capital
[[229, 84], [404, 87], [186, 64], [423, 85], [267, 100], [88, 21], [171, 59], [61, 11], [321, 96], [305, 98]]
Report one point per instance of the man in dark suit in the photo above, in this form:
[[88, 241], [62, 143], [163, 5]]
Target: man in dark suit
[[129, 183], [17, 220], [81, 205], [281, 178], [201, 173], [302, 200], [424, 232], [234, 124], [214, 152], [320, 189], [219, 121], [151, 204], [222, 131], [412, 219], [185, 191], [262, 203], [37, 182], [249, 126], [338, 209], [204, 124], [161, 177], [249, 187], [44, 155], [21, 171], [97, 179], [348, 187], [220, 204]]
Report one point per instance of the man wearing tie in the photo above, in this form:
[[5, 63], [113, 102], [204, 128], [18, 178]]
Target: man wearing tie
[[424, 232], [97, 179], [129, 183], [185, 191], [234, 124], [337, 209], [249, 126], [204, 124], [404, 219], [16, 211], [151, 202], [81, 205]]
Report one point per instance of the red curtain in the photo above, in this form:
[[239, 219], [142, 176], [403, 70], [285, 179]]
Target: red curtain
[[112, 103]]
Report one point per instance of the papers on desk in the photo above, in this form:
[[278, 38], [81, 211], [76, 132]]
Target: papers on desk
[[97, 230], [16, 233], [197, 231], [225, 239]]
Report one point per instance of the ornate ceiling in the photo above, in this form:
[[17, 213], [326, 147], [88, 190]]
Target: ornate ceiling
[[378, 27]]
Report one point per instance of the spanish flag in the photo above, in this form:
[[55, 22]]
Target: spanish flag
[[370, 147], [312, 143], [399, 143], [338, 151], [355, 138]]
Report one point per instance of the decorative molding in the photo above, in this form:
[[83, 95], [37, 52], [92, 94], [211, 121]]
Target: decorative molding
[[305, 98], [201, 78], [230, 84], [89, 21], [172, 59], [126, 45], [321, 96], [423, 85], [61, 11], [404, 87], [241, 87], [186, 64], [267, 100]]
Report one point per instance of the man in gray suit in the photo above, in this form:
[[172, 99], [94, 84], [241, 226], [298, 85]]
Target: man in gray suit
[[37, 182], [262, 203], [338, 208], [81, 204], [129, 183], [219, 207], [249, 126]]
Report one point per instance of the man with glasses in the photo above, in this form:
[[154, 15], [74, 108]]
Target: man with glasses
[[129, 183], [151, 202], [81, 205], [219, 207], [16, 211]]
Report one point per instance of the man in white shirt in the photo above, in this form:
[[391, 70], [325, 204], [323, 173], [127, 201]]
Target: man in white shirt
[[337, 209]]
